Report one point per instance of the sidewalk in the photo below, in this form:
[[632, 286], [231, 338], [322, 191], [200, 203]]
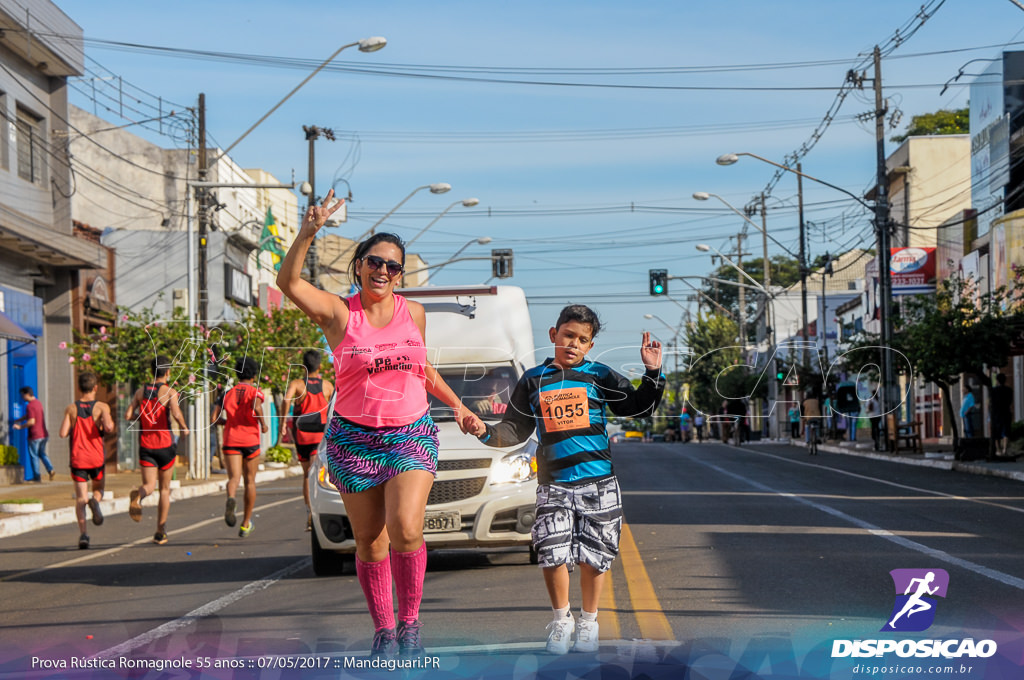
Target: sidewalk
[[58, 500], [937, 456]]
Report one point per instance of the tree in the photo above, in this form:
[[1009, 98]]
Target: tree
[[712, 340], [955, 331], [942, 122]]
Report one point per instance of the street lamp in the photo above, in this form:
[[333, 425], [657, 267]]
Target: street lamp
[[365, 45], [482, 241], [881, 218], [703, 247], [466, 203], [438, 188]]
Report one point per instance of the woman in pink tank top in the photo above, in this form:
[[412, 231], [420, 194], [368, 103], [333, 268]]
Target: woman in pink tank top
[[380, 443]]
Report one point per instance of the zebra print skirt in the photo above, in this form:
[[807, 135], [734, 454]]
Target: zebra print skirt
[[360, 457]]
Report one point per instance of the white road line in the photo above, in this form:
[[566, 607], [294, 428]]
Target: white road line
[[993, 574], [110, 551], [209, 608], [818, 466]]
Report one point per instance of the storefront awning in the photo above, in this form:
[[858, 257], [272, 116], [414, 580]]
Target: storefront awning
[[9, 330]]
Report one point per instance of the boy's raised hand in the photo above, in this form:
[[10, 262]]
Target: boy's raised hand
[[650, 352]]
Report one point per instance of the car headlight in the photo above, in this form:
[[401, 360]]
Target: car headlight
[[518, 466], [323, 480]]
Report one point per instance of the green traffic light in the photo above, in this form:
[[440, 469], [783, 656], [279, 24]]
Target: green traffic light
[[659, 289]]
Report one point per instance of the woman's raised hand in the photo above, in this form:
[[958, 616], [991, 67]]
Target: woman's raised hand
[[316, 216]]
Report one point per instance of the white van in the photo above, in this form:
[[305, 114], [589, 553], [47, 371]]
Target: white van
[[480, 340]]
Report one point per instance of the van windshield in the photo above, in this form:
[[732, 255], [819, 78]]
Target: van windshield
[[484, 390]]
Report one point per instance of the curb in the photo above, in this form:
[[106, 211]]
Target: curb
[[938, 464], [12, 526]]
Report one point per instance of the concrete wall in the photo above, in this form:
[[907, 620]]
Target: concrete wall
[[934, 182]]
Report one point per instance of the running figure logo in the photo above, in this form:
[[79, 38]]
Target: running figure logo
[[914, 609]]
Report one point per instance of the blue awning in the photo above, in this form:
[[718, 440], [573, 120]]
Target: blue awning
[[10, 330]]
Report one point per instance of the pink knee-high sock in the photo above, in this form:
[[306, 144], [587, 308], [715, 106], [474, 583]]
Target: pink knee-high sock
[[409, 569], [375, 579]]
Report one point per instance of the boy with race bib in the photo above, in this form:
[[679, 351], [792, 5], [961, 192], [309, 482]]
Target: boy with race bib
[[579, 515]]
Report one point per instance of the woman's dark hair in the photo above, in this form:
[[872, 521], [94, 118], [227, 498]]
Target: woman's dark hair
[[582, 314], [247, 368], [363, 248], [311, 360]]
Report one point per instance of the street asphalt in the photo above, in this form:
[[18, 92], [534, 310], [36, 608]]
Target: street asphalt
[[57, 496]]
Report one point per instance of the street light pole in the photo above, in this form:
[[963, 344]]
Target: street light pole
[[466, 203]]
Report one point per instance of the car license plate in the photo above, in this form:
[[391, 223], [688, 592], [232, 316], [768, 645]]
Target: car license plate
[[442, 521]]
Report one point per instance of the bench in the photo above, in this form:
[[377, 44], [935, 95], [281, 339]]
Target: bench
[[902, 436]]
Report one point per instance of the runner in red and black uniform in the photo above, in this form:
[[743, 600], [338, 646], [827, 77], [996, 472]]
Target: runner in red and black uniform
[[154, 405], [243, 408], [307, 399], [85, 421]]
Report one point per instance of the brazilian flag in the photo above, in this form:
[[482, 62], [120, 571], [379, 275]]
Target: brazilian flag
[[270, 240]]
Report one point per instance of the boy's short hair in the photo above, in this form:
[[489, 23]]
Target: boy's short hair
[[581, 314], [159, 366], [27, 391], [311, 360], [247, 368], [87, 381]]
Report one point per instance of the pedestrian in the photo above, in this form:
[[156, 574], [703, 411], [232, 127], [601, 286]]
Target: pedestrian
[[684, 426], [725, 424], [35, 420], [794, 421], [698, 425], [307, 400], [874, 413], [152, 407], [967, 409], [244, 421], [86, 420], [1002, 414], [381, 444], [579, 515]]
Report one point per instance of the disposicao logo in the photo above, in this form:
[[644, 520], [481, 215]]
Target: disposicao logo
[[913, 611], [916, 590]]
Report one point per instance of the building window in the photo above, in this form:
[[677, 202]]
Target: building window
[[31, 138]]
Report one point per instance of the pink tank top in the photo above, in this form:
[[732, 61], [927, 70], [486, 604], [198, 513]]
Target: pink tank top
[[379, 372]]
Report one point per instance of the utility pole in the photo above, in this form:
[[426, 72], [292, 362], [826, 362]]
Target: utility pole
[[204, 216], [889, 400], [803, 263], [312, 134], [773, 385], [742, 297]]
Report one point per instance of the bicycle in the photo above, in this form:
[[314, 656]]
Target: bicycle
[[812, 442]]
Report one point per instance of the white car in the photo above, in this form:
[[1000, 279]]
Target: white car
[[480, 340]]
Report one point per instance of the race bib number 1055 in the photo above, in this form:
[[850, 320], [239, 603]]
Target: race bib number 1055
[[565, 409]]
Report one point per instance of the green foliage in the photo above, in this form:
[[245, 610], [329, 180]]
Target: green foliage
[[714, 373], [122, 354], [942, 122], [9, 455], [22, 501], [278, 454], [785, 272]]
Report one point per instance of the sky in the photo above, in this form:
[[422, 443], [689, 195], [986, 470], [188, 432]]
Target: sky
[[583, 128]]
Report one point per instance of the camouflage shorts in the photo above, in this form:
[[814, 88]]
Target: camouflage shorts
[[578, 524]]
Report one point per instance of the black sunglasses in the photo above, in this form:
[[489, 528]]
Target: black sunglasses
[[374, 263]]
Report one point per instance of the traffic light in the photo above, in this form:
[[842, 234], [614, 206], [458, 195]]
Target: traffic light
[[780, 371], [659, 281], [501, 263]]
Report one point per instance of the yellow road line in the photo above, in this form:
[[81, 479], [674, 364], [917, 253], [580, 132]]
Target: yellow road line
[[649, 617], [607, 615]]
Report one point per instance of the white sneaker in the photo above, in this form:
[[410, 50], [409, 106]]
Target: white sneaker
[[560, 636], [586, 636]]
